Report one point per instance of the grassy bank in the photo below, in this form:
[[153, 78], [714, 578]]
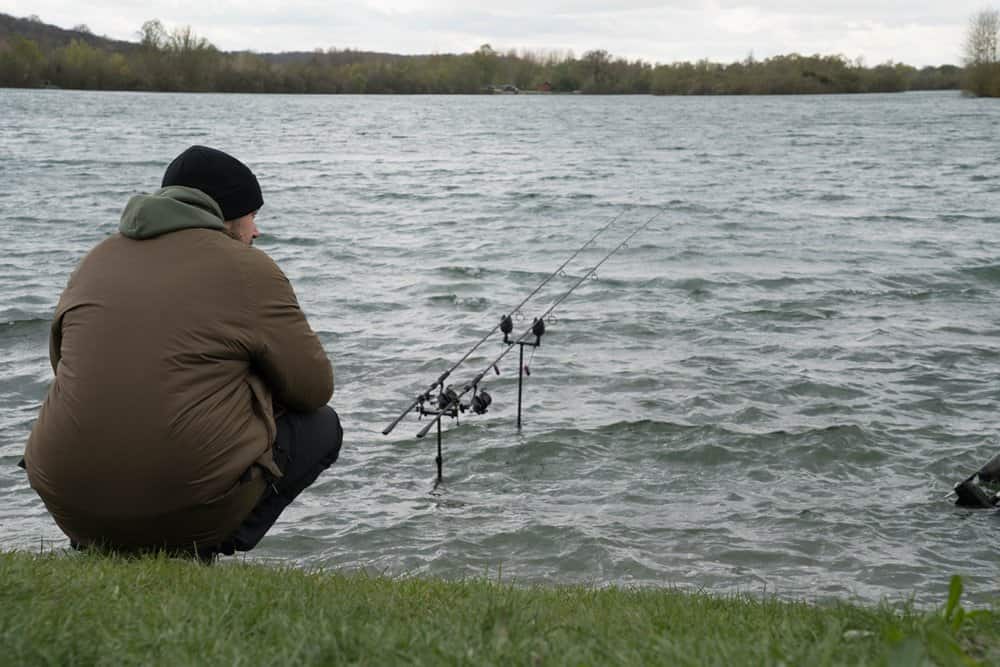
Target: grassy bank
[[83, 610]]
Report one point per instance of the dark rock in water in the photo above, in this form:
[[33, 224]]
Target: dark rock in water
[[991, 471], [971, 495]]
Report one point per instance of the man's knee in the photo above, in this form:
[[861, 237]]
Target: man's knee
[[332, 432], [307, 443]]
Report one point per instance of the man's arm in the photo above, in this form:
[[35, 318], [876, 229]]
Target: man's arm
[[55, 342], [287, 353]]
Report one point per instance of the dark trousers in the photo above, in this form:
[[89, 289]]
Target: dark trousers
[[305, 446]]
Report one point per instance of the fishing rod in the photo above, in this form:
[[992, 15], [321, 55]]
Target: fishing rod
[[425, 395], [449, 401]]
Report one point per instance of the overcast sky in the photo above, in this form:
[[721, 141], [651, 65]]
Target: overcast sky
[[916, 32]]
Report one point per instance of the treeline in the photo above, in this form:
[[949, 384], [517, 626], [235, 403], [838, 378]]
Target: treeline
[[982, 55], [982, 79], [179, 60]]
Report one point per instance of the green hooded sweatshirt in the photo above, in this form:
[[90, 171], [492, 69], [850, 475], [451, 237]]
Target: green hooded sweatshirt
[[169, 210]]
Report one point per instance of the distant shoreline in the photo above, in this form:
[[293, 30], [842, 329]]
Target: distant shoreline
[[532, 94], [36, 55]]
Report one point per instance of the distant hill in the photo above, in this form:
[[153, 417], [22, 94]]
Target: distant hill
[[50, 37]]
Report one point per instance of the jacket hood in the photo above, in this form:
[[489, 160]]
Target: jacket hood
[[168, 210]]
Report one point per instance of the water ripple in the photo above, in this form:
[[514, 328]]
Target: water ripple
[[771, 389]]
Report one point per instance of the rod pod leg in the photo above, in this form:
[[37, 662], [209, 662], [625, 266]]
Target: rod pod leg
[[439, 459], [520, 385]]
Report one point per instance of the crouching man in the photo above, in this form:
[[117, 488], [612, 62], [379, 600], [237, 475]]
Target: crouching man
[[189, 402]]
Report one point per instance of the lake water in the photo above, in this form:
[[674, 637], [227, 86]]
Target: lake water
[[770, 390]]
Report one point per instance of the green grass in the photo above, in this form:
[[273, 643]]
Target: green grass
[[101, 610]]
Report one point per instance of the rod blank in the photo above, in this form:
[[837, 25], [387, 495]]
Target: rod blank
[[444, 376], [444, 409]]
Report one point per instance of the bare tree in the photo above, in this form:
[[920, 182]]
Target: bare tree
[[183, 40], [981, 40], [153, 35]]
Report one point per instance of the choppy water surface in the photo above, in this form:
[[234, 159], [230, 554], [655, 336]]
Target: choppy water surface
[[771, 390]]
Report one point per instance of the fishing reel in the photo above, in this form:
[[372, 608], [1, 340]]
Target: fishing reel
[[448, 403], [480, 402], [447, 400]]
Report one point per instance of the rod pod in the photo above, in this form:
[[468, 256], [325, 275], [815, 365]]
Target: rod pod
[[439, 382], [537, 328]]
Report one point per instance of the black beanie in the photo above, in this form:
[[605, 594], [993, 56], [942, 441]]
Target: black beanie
[[219, 175]]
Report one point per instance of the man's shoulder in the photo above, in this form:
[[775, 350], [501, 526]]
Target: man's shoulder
[[260, 272], [257, 260], [228, 252]]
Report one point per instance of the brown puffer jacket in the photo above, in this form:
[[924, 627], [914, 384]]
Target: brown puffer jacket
[[167, 345]]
